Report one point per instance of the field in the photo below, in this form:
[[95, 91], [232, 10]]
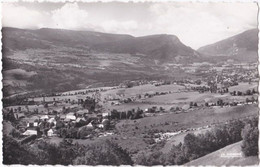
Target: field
[[243, 87], [130, 134], [179, 139], [135, 135], [135, 130], [224, 157]]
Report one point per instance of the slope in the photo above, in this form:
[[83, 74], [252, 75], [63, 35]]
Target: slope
[[241, 47], [229, 155]]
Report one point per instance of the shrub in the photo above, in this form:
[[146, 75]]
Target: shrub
[[105, 153], [250, 136]]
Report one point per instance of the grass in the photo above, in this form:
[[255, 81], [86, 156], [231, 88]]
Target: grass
[[243, 87], [136, 129], [217, 159], [181, 97]]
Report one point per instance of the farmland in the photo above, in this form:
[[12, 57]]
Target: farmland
[[138, 115]]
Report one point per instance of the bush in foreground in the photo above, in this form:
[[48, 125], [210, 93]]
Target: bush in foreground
[[250, 136]]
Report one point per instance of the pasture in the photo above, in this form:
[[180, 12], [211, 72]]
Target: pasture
[[243, 87], [170, 122]]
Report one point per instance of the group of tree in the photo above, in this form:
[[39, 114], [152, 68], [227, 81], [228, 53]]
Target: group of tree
[[130, 114], [201, 89], [195, 146], [154, 109], [65, 153], [250, 135], [247, 93], [193, 104]]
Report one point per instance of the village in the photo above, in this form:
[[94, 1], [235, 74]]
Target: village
[[95, 112]]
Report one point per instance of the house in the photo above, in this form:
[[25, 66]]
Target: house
[[82, 113], [50, 133], [30, 132], [71, 116], [66, 120], [80, 120], [100, 126], [44, 117], [32, 123], [105, 115], [62, 117], [52, 120], [90, 125]]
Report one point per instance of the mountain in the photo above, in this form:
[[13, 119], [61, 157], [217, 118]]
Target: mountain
[[160, 47], [45, 38], [60, 60], [241, 47]]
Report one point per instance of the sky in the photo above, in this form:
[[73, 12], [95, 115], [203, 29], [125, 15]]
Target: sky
[[195, 24]]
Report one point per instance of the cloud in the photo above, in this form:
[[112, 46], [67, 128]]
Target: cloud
[[197, 24], [114, 26], [70, 16], [20, 16]]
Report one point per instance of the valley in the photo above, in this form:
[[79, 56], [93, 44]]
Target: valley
[[146, 94]]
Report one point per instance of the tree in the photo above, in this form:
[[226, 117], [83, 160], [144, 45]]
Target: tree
[[15, 153], [106, 124], [129, 114], [248, 92], [220, 102], [97, 98], [45, 105], [176, 155], [250, 136], [247, 100], [138, 114], [253, 91], [104, 153], [122, 115], [115, 114], [191, 147], [149, 159], [191, 104], [89, 104], [252, 99], [234, 93]]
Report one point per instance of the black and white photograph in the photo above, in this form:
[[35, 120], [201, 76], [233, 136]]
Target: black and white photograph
[[130, 83]]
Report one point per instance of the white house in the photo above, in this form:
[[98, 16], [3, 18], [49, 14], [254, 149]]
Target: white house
[[90, 125], [30, 132], [35, 124], [100, 126], [71, 116], [50, 132], [52, 120], [105, 114], [32, 123], [82, 112], [44, 117], [80, 119]]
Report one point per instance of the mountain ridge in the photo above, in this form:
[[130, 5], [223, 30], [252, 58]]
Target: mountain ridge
[[160, 46], [237, 45]]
